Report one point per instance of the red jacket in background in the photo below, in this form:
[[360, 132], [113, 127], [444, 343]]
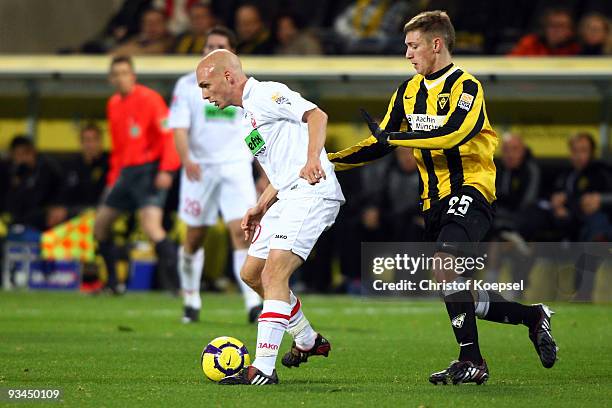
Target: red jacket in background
[[139, 135], [532, 45]]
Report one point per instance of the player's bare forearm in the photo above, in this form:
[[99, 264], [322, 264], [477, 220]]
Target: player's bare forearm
[[181, 141], [317, 125], [267, 198]]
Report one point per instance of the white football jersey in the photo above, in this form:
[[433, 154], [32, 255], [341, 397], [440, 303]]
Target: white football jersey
[[278, 138], [215, 135]]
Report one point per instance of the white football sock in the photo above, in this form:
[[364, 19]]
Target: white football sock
[[251, 298], [272, 324], [190, 273], [299, 327]]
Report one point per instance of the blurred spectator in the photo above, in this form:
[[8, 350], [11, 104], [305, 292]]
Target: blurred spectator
[[34, 182], [123, 25], [575, 210], [517, 183], [372, 25], [391, 209], [253, 35], [178, 13], [595, 35], [201, 20], [556, 38], [85, 176], [153, 37], [293, 39]]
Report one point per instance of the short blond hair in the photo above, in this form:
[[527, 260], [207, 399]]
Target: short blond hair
[[430, 23]]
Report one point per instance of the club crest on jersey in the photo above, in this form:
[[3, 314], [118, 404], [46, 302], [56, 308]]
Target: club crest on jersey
[[443, 99], [280, 99], [251, 118], [458, 320], [134, 131], [465, 101]]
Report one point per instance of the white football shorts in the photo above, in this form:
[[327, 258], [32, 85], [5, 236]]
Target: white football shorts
[[293, 224], [227, 188]]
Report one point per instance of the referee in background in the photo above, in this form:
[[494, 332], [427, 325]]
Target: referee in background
[[143, 158]]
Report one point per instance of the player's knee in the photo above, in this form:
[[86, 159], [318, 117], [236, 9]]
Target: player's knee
[[249, 277], [194, 239], [100, 230], [271, 276], [441, 272]]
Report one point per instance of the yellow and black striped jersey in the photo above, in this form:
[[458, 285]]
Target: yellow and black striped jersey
[[448, 128]]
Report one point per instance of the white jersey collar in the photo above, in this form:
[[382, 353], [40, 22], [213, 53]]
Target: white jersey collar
[[250, 83]]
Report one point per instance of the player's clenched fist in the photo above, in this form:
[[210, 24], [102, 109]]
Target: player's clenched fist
[[313, 171]]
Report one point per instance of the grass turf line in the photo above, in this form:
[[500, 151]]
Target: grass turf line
[[132, 351]]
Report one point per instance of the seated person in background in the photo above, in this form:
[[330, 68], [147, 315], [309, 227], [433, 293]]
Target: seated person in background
[[292, 39], [32, 198], [85, 176], [391, 209], [253, 34], [517, 184], [595, 35], [575, 210], [201, 20], [556, 36], [372, 25], [121, 26], [153, 37]]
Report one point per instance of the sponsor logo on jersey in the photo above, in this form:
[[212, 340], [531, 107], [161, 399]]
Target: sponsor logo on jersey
[[280, 99], [279, 236], [465, 101], [422, 122], [255, 142], [211, 112], [443, 99]]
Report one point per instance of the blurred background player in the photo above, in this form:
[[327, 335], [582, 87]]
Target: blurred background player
[[217, 176], [143, 158], [286, 134]]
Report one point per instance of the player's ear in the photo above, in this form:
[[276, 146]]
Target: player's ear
[[437, 45]]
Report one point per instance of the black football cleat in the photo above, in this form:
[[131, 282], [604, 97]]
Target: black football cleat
[[541, 337], [461, 372], [250, 375], [441, 377], [295, 356], [190, 315], [254, 313]]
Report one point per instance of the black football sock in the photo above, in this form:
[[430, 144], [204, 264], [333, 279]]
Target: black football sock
[[108, 250], [460, 308], [494, 307], [167, 259]]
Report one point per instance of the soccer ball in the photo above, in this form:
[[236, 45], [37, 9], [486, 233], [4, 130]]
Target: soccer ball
[[224, 356]]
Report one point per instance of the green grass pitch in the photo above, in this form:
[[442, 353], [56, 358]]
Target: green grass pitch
[[133, 351]]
